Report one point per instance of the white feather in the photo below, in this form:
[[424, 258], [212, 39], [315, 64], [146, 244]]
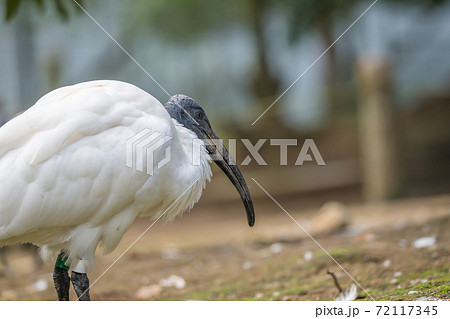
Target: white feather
[[64, 183], [348, 295]]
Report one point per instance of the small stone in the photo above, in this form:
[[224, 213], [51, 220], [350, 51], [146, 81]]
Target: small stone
[[414, 282], [422, 299], [147, 292], [412, 292], [276, 293], [393, 281], [387, 263], [173, 281], [259, 295], [331, 216], [417, 281], [424, 242], [171, 253], [397, 274], [276, 248], [247, 265], [427, 299], [40, 285], [308, 255]]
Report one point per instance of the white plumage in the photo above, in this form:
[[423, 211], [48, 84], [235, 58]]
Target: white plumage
[[64, 183]]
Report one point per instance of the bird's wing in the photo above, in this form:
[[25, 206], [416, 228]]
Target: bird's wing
[[65, 115], [62, 162]]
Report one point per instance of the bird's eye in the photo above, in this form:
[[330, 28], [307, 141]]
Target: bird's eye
[[199, 115]]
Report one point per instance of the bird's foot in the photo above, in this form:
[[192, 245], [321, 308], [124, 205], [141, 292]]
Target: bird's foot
[[80, 282], [61, 278]]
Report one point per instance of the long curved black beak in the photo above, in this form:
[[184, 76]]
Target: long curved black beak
[[227, 164]]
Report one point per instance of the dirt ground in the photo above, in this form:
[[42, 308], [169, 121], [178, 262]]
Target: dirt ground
[[211, 254]]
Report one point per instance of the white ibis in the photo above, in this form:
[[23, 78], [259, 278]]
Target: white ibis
[[64, 180]]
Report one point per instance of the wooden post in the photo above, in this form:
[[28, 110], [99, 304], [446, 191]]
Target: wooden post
[[381, 177]]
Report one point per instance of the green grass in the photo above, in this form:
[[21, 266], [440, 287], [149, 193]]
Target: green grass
[[438, 287]]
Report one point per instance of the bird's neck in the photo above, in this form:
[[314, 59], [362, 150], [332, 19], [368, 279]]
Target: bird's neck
[[196, 164]]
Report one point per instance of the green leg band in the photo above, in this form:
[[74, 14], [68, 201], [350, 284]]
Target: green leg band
[[61, 262]]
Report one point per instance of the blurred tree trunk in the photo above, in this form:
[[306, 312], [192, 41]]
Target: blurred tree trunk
[[378, 131], [265, 86], [264, 83], [332, 67], [53, 71], [26, 60]]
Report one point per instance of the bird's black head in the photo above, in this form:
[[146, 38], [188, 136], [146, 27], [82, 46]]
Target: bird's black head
[[187, 112]]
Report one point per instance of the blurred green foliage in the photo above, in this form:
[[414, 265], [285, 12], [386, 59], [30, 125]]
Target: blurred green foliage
[[182, 21], [185, 19], [12, 7]]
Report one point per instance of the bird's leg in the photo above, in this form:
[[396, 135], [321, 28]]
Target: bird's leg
[[61, 278], [80, 281]]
